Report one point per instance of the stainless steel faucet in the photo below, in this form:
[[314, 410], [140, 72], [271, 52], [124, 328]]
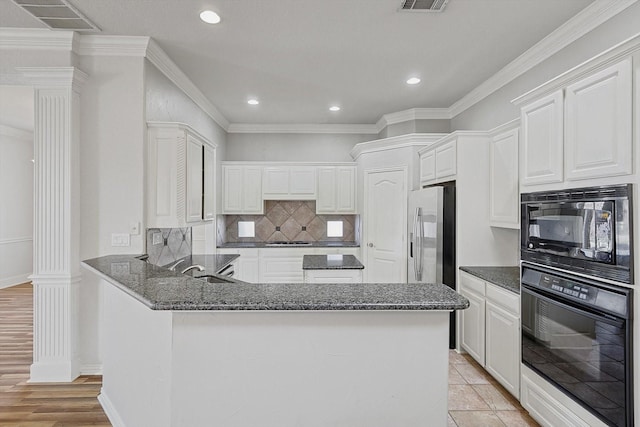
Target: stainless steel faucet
[[191, 267], [173, 267]]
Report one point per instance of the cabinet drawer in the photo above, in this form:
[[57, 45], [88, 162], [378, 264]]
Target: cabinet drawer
[[504, 298], [471, 283]]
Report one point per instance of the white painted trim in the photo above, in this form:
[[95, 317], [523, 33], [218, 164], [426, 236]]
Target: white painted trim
[[161, 60], [91, 369], [54, 76], [452, 136], [99, 45], [36, 39], [15, 240], [16, 133], [605, 59], [395, 142], [303, 128], [181, 127], [259, 163], [14, 280], [110, 410], [413, 114], [513, 124], [585, 21]]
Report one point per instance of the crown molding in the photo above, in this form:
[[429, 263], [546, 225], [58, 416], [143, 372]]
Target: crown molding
[[413, 114], [395, 142], [36, 39], [54, 76], [585, 21], [99, 45], [303, 128], [17, 133], [607, 58], [513, 124], [161, 60]]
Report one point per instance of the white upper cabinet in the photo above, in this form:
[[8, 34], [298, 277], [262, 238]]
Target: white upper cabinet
[[180, 176], [598, 121], [541, 153], [289, 183], [336, 190], [504, 203], [242, 189], [439, 164]]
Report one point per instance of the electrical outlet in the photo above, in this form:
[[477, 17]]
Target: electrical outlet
[[157, 239], [134, 228], [120, 239]]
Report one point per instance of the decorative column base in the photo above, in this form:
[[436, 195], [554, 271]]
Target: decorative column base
[[55, 321]]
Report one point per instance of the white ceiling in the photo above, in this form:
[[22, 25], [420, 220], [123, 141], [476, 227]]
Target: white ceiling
[[298, 57]]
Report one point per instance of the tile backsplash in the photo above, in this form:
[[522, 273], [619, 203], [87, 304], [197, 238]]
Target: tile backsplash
[[166, 245], [287, 221]]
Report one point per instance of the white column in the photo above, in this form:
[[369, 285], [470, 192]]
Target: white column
[[56, 261]]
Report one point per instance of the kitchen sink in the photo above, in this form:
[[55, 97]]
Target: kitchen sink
[[214, 279]]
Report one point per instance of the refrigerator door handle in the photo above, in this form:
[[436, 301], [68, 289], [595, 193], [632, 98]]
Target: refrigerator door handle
[[417, 235]]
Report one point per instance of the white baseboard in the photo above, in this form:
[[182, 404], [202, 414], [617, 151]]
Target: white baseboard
[[91, 369], [15, 280], [109, 409]]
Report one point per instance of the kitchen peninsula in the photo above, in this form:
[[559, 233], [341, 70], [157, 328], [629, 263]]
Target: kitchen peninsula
[[180, 351]]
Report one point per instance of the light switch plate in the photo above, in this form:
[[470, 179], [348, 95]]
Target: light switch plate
[[120, 239]]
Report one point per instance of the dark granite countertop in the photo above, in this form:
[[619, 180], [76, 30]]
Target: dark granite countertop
[[331, 262], [505, 277], [212, 263], [310, 245], [161, 289]]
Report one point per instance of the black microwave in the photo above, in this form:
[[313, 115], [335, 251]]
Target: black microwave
[[584, 230]]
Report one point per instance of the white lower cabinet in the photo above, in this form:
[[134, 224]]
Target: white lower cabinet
[[490, 330], [281, 265], [333, 276]]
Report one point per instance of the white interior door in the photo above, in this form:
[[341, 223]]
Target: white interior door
[[386, 225]]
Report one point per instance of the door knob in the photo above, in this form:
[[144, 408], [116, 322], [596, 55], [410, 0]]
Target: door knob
[[370, 245]]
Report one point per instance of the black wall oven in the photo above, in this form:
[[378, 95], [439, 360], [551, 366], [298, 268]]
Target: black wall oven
[[576, 333], [585, 230]]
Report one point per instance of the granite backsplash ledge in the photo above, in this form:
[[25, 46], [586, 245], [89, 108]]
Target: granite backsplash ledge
[[287, 221]]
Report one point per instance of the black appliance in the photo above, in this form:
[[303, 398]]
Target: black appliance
[[577, 334], [585, 230]]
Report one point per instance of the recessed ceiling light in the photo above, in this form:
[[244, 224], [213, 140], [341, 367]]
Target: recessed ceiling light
[[334, 108], [413, 81], [210, 17], [253, 102]]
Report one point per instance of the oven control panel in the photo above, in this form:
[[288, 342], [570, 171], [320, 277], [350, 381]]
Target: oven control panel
[[582, 292]]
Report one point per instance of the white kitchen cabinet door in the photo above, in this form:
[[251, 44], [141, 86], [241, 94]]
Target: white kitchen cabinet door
[[336, 190], [327, 197], [428, 167], [446, 160], [333, 276], [504, 203], [248, 266], [281, 266], [242, 189], [302, 182], [209, 198], [252, 202], [472, 332], [503, 347], [275, 183], [541, 153], [599, 123]]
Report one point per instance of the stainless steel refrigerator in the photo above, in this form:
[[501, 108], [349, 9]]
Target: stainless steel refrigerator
[[431, 222]]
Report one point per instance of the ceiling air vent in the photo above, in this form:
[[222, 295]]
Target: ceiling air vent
[[423, 5], [57, 15]]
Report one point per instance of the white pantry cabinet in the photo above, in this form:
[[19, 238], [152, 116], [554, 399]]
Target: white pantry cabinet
[[490, 329], [181, 176], [504, 203], [242, 189], [289, 183], [336, 190], [439, 163]]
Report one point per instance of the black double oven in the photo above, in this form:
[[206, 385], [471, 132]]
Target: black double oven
[[577, 265]]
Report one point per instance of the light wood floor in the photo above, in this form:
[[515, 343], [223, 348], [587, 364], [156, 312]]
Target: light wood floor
[[475, 399], [37, 405]]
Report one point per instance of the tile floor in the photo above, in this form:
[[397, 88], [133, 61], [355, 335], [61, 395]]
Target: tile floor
[[477, 400]]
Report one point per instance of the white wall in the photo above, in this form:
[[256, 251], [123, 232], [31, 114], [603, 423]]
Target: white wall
[[16, 208], [293, 147], [497, 109]]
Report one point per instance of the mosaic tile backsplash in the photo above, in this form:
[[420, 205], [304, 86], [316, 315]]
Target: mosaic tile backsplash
[[170, 245], [288, 221]]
